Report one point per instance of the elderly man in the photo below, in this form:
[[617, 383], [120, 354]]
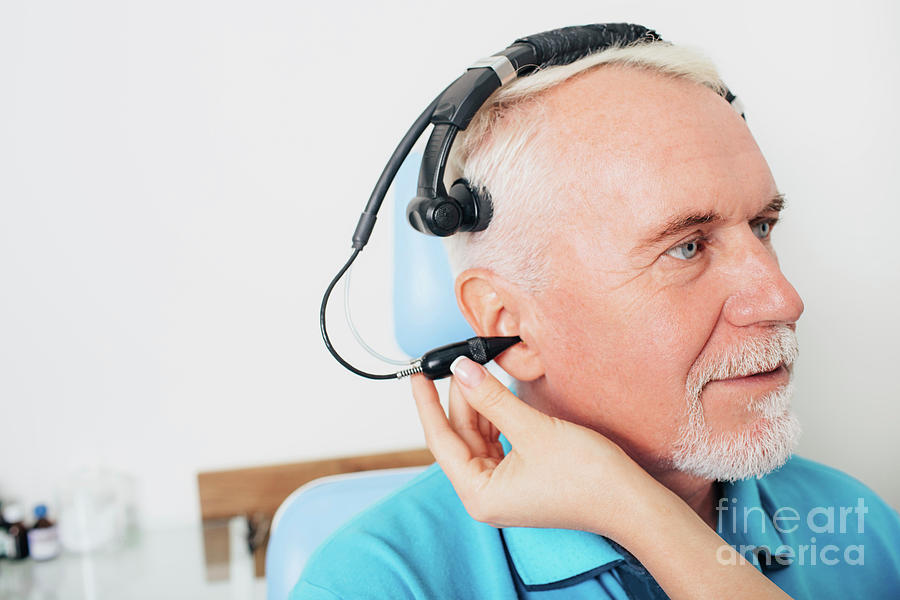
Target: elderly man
[[646, 452]]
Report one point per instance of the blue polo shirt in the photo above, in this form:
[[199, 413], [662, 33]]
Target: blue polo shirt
[[813, 530]]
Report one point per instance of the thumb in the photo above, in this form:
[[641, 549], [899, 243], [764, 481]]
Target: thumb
[[515, 419]]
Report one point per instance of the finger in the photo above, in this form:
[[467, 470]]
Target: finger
[[466, 422], [464, 471], [451, 452], [516, 420], [490, 433], [485, 427], [496, 446]]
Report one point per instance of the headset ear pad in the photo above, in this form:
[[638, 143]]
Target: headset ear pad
[[441, 216], [476, 206]]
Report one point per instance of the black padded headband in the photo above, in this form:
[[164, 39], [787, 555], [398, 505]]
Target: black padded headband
[[566, 45]]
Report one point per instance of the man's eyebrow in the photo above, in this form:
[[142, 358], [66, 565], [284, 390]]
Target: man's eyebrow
[[777, 204], [681, 223], [676, 225]]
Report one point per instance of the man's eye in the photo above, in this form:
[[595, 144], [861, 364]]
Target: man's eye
[[687, 250], [763, 229]]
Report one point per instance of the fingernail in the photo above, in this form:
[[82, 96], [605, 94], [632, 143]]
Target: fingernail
[[467, 371]]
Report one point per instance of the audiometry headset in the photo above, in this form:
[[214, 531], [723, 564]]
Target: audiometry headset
[[436, 211]]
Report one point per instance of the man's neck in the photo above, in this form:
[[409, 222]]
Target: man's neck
[[702, 495]]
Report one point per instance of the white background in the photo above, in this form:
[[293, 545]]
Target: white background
[[179, 180]]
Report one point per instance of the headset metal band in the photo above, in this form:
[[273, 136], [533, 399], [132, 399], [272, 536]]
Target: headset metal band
[[738, 106], [500, 65]]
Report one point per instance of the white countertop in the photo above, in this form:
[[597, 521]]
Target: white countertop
[[155, 565]]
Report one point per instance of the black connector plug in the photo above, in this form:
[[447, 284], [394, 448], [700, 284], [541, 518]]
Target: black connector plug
[[435, 364]]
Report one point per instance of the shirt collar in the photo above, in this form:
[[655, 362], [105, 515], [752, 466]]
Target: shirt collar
[[551, 558], [744, 519]]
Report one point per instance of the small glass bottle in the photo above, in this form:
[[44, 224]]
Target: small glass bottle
[[43, 537], [17, 547]]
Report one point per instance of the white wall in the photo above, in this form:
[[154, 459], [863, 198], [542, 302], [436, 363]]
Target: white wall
[[180, 180]]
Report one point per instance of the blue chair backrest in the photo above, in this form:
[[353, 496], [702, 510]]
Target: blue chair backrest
[[313, 512]]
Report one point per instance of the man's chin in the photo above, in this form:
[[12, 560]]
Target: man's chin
[[755, 427], [748, 450]]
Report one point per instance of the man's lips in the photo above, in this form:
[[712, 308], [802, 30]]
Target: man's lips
[[777, 374]]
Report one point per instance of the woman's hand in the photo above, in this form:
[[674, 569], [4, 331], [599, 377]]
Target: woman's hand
[[557, 474]]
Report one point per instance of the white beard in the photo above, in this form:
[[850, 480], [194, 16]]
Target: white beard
[[760, 446]]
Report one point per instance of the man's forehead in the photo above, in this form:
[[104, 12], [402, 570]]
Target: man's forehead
[[643, 150], [628, 100], [615, 110]]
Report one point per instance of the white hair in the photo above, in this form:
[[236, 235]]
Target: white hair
[[500, 152]]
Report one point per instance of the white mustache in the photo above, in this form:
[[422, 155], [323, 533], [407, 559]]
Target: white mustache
[[754, 355]]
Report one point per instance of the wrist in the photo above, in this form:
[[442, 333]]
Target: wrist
[[665, 522], [650, 510]]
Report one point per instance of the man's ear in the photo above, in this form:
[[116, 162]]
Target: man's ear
[[494, 308]]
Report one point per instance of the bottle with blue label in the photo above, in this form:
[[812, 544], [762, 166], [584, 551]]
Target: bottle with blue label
[[43, 537]]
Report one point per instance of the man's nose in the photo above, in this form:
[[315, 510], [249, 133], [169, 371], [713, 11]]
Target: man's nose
[[761, 295]]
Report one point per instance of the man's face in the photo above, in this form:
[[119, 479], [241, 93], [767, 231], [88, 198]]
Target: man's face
[[663, 267]]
